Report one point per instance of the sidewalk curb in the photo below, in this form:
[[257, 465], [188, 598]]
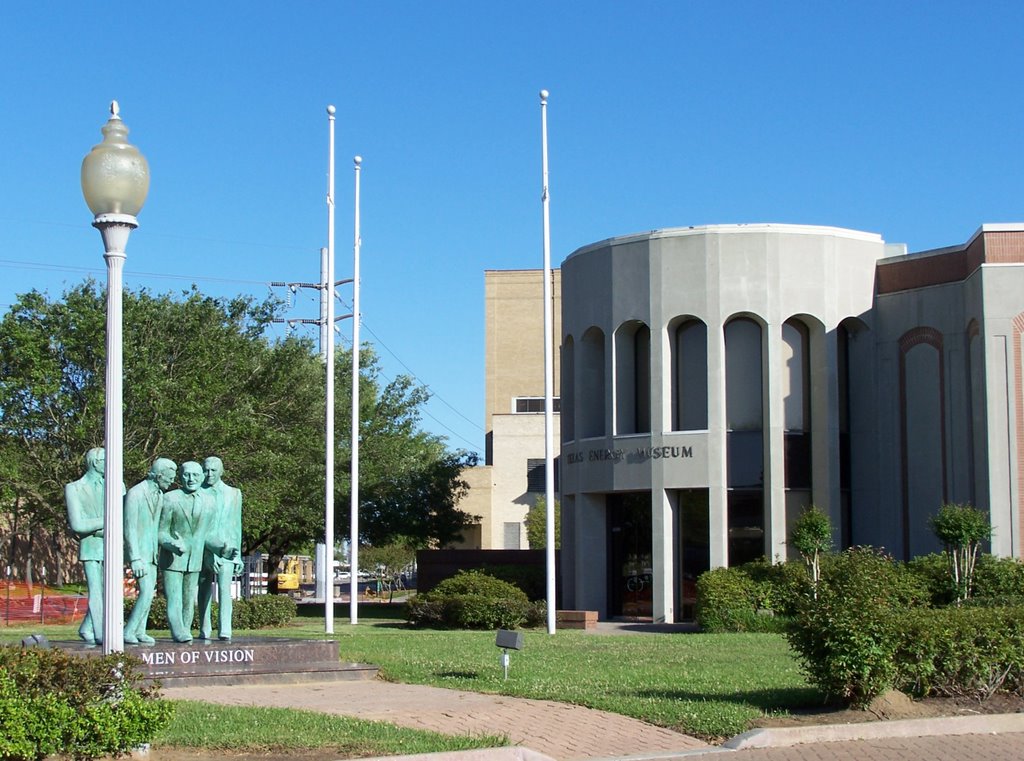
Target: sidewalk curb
[[874, 730], [513, 753]]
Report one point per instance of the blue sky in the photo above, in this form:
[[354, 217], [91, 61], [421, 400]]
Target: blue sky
[[900, 118]]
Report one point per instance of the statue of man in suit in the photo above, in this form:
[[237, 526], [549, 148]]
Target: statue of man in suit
[[223, 557], [185, 523], [142, 508], [84, 499]]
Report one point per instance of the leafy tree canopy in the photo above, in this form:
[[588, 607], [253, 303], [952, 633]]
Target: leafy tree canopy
[[537, 525], [202, 377]]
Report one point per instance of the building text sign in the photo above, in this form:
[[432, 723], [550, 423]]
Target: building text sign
[[636, 455]]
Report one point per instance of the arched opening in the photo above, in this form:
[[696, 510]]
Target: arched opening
[[591, 388], [633, 378], [568, 391], [744, 409], [689, 346]]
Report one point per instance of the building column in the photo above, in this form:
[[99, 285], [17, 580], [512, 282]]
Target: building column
[[663, 511], [774, 444], [718, 502], [824, 390], [591, 541]]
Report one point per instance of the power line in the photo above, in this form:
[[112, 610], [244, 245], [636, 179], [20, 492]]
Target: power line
[[191, 278], [412, 374]]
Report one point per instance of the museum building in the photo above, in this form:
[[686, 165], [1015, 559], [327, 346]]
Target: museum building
[[715, 381]]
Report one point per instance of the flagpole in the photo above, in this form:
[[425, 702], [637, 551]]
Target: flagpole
[[549, 456], [354, 539], [328, 296]]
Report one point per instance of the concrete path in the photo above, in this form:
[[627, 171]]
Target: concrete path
[[545, 730], [559, 730]]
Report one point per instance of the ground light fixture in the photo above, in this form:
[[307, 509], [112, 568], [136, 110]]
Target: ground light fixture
[[508, 640], [115, 181]]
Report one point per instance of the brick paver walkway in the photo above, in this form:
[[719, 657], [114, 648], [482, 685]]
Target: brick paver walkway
[[559, 730]]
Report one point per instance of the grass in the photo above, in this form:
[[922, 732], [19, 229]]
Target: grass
[[708, 685], [215, 727]]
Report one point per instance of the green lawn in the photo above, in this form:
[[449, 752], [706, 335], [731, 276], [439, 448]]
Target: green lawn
[[204, 725], [710, 685]]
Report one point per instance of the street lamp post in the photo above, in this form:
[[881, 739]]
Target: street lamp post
[[115, 180]]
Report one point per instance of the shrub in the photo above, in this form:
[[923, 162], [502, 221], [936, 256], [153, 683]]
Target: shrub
[[52, 702], [537, 614], [725, 600], [961, 529], [261, 612], [754, 597], [812, 537], [933, 572], [999, 580], [847, 637], [962, 652], [258, 612], [470, 600]]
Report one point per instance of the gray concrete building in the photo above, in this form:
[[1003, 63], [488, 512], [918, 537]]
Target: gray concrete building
[[717, 380]]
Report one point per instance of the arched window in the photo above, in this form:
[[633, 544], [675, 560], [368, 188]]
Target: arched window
[[923, 440], [591, 389], [796, 411], [568, 392], [744, 439], [689, 342], [633, 378]]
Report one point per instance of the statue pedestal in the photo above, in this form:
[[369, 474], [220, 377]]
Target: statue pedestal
[[244, 660]]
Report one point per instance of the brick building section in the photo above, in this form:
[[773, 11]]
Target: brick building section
[[952, 265]]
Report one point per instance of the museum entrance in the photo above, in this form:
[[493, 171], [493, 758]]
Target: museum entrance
[[630, 570]]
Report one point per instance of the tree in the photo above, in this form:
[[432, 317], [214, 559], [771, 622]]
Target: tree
[[961, 529], [202, 377], [812, 536], [536, 525], [387, 563]]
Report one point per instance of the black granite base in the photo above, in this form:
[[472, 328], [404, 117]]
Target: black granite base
[[246, 660]]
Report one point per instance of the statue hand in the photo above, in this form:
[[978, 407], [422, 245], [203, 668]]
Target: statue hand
[[138, 569], [179, 548], [230, 552]]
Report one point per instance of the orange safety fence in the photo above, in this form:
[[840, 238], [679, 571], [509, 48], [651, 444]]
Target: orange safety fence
[[24, 604]]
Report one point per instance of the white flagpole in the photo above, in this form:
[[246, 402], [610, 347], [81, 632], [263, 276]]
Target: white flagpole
[[328, 295], [549, 383], [354, 540]]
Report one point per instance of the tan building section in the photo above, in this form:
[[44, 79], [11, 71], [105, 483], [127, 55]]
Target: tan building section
[[514, 405]]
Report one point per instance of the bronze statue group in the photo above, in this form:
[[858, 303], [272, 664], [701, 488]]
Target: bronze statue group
[[193, 535]]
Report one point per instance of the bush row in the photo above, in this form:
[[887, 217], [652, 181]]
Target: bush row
[[259, 612], [55, 703], [737, 599], [872, 623], [474, 600]]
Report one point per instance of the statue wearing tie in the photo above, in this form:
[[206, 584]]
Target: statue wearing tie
[[84, 499], [142, 508], [186, 520], [223, 558]]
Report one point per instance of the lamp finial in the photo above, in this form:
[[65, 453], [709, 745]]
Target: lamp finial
[[115, 110]]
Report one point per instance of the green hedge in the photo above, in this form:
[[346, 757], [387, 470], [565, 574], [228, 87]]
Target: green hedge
[[52, 702], [259, 612], [472, 600], [848, 633], [963, 652], [754, 597]]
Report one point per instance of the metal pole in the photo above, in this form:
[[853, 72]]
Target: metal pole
[[326, 292], [549, 454], [113, 474], [354, 539], [328, 348]]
